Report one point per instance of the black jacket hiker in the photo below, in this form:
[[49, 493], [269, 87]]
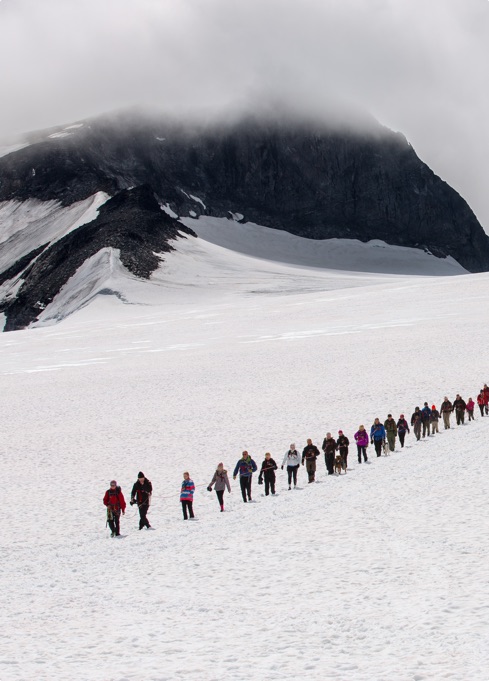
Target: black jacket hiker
[[459, 407], [267, 472], [309, 454], [329, 449], [416, 420], [342, 443], [141, 495]]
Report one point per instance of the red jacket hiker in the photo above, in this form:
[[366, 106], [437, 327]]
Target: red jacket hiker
[[115, 499], [115, 503]]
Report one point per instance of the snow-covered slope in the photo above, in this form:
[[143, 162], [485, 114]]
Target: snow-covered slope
[[26, 225], [255, 258], [376, 575], [206, 268], [340, 254]]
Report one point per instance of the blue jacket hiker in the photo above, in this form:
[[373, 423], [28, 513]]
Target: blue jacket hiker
[[377, 436], [246, 467], [187, 496], [425, 419]]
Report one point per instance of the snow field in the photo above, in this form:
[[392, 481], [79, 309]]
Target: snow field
[[378, 574]]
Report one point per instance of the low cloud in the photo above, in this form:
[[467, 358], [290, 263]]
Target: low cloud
[[418, 67]]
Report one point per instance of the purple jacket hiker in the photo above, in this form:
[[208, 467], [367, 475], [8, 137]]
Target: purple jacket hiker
[[361, 438]]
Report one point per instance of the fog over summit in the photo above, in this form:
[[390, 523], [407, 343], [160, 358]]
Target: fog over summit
[[417, 67]]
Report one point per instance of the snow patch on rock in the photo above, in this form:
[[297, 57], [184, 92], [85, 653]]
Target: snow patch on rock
[[26, 225], [197, 200], [168, 210], [58, 135]]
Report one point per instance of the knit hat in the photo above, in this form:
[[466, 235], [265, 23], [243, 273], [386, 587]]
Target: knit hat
[[433, 407], [340, 432], [141, 475], [113, 482], [401, 416]]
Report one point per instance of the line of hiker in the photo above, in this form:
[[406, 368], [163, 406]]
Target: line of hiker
[[424, 422]]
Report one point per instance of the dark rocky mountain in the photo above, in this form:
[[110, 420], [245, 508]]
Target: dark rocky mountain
[[132, 221], [304, 178]]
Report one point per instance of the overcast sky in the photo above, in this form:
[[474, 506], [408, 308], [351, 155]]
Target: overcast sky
[[419, 66]]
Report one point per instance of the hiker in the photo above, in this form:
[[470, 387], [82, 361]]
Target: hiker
[[292, 459], [141, 495], [470, 408], [481, 401], [416, 423], [446, 409], [267, 472], [116, 504], [485, 390], [377, 436], [425, 419], [434, 418], [246, 467], [342, 444], [459, 407], [220, 481], [329, 448], [309, 454], [391, 431], [361, 438], [402, 429], [187, 496]]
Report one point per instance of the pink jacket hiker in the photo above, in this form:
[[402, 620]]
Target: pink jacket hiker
[[361, 438]]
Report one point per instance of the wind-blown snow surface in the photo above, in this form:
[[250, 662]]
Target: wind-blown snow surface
[[376, 575]]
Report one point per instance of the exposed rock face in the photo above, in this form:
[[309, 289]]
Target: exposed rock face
[[302, 178], [131, 222]]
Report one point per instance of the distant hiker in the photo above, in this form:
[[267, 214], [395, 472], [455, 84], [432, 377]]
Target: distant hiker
[[446, 409], [377, 436], [309, 454], [470, 408], [435, 417], [329, 448], [485, 390], [416, 420], [391, 431], [116, 504], [481, 401], [459, 407], [361, 438], [141, 495], [246, 467], [187, 496], [402, 429], [221, 481], [342, 444], [267, 473], [292, 460], [425, 419]]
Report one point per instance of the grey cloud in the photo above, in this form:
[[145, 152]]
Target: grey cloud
[[418, 67]]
